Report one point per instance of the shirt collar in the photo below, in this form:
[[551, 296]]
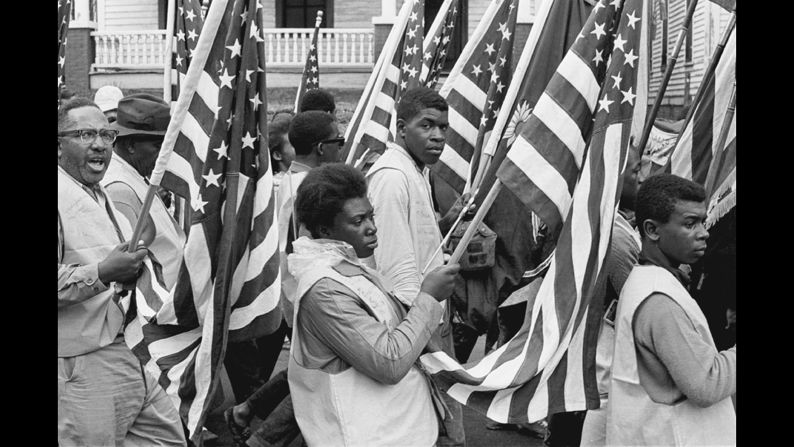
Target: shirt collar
[[404, 152], [95, 190], [659, 261], [297, 166]]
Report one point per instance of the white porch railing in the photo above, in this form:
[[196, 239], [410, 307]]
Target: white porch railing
[[347, 47], [284, 47], [129, 49]]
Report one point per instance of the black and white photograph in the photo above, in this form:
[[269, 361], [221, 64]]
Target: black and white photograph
[[472, 223]]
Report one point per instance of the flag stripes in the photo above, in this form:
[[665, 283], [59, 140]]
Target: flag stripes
[[228, 285], [397, 70], [436, 42], [548, 367], [475, 91], [695, 155]]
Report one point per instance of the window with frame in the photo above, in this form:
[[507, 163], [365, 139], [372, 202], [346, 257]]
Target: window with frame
[[303, 13]]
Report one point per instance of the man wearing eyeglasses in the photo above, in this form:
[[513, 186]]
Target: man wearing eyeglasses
[[104, 395], [141, 122]]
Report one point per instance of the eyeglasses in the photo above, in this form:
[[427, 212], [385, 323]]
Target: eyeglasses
[[88, 136], [336, 140]]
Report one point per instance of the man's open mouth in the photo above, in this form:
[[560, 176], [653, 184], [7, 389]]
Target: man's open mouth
[[97, 164]]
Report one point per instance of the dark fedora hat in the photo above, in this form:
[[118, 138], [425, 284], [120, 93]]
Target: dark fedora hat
[[142, 114]]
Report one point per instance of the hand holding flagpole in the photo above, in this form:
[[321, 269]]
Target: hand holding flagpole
[[462, 213], [200, 54]]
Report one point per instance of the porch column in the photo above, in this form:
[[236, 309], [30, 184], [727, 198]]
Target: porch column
[[382, 25], [80, 48]]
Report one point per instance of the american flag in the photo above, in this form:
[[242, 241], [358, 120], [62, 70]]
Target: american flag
[[311, 69], [547, 367], [475, 91], [64, 16], [187, 25], [436, 42], [695, 155], [229, 282], [375, 117], [523, 247]]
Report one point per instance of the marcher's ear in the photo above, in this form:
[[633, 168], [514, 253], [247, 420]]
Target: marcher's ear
[[401, 127], [651, 229], [277, 155], [320, 150]]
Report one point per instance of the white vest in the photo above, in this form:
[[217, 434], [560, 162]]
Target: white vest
[[349, 408], [632, 417], [88, 237], [169, 239]]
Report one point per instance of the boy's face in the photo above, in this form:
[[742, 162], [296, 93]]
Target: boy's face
[[424, 135], [683, 237]]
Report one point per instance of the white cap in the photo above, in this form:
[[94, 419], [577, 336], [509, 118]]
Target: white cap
[[107, 97]]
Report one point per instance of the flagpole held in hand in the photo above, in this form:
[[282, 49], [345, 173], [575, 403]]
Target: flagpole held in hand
[[462, 213], [200, 54], [476, 221]]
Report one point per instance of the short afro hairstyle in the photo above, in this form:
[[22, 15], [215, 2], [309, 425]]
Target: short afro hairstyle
[[416, 99], [323, 193], [658, 194], [317, 99], [308, 129], [68, 106]]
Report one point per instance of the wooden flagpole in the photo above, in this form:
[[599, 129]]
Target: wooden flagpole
[[169, 43], [476, 221], [709, 73], [649, 120], [200, 55]]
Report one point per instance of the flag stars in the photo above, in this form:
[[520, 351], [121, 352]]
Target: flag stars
[[628, 97], [180, 35], [437, 40], [413, 17], [412, 32], [598, 57], [500, 87], [505, 32], [212, 178], [603, 104], [256, 102], [178, 60], [226, 79], [248, 74], [502, 61], [618, 79], [476, 70], [632, 19], [630, 58], [598, 30], [235, 48], [494, 77], [222, 150], [190, 15], [412, 72], [191, 34], [198, 204], [616, 3], [620, 42], [248, 140], [428, 56], [492, 66], [489, 49]]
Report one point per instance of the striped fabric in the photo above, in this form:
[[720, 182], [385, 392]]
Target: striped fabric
[[64, 17], [400, 69], [695, 156], [437, 42], [229, 282], [475, 90], [310, 79], [187, 27], [548, 367]]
